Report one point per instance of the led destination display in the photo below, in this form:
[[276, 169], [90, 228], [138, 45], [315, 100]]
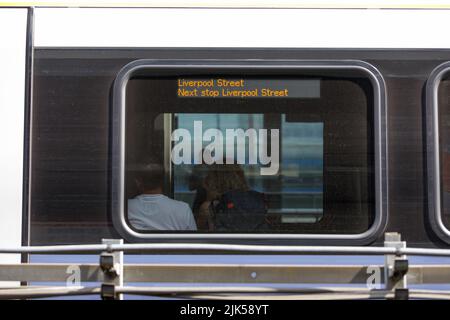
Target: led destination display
[[247, 88]]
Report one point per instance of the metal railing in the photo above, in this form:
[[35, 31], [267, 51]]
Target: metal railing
[[259, 281]]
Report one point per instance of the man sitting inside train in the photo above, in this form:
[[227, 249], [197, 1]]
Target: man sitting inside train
[[152, 210]]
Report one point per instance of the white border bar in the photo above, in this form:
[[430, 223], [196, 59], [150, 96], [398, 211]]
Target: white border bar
[[241, 28], [13, 24]]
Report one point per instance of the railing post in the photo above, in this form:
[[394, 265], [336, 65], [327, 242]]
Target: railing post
[[111, 263], [396, 267]]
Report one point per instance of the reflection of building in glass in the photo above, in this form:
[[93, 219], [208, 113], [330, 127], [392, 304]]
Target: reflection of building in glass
[[296, 193]]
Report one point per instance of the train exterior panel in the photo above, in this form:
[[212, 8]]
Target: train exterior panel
[[363, 136]]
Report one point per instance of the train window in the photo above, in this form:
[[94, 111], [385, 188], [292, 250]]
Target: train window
[[206, 150], [438, 96]]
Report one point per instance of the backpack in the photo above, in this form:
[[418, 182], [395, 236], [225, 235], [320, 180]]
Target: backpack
[[240, 211]]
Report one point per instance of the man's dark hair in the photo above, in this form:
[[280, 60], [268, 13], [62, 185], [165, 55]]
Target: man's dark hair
[[150, 176]]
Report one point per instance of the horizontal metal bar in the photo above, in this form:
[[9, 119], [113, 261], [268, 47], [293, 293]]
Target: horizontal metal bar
[[220, 292], [235, 273], [192, 247], [45, 292], [33, 291], [50, 272], [374, 294], [222, 273], [90, 248], [317, 4], [428, 274]]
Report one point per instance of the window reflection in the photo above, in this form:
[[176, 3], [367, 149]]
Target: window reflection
[[294, 195], [319, 180]]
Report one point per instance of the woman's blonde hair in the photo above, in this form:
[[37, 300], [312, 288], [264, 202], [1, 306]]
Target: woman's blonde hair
[[222, 178]]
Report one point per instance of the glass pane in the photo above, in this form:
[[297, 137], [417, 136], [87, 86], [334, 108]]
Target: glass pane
[[201, 158]]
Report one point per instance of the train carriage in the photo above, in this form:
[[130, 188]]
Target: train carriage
[[338, 116]]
